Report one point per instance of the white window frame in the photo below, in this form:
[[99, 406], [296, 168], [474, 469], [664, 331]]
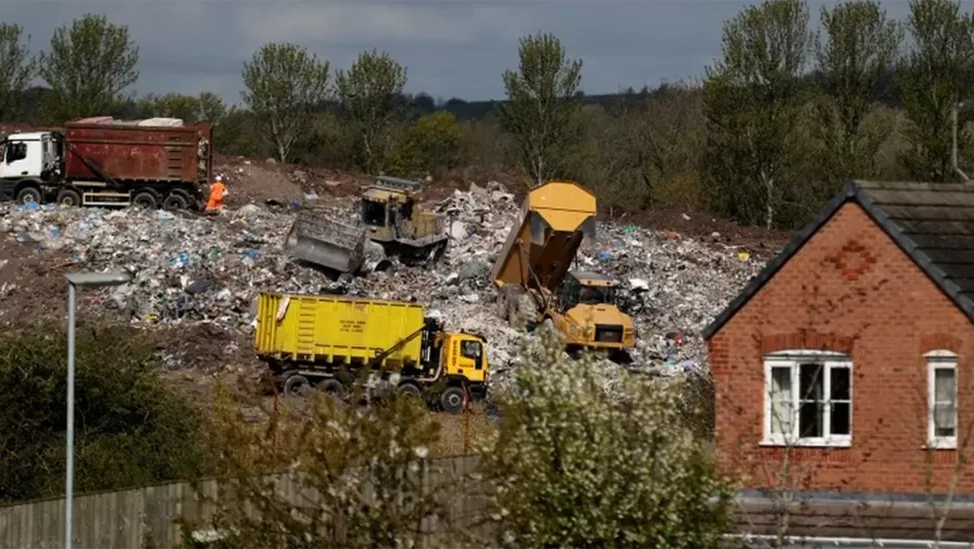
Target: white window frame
[[793, 360], [940, 360]]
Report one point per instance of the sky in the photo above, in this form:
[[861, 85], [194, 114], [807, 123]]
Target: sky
[[451, 48]]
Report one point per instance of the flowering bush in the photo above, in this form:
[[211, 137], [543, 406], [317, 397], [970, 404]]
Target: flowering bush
[[576, 465]]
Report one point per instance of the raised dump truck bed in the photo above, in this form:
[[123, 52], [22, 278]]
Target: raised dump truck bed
[[314, 339]]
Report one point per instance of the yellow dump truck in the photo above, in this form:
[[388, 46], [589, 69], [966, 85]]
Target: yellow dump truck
[[555, 220], [326, 340]]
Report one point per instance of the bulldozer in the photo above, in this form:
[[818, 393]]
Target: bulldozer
[[391, 223], [556, 220]]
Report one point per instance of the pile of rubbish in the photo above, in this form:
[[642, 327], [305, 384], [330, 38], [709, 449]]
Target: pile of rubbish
[[189, 269]]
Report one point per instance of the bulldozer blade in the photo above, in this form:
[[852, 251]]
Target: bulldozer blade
[[326, 242]]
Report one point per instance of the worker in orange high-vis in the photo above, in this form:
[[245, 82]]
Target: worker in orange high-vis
[[218, 191]]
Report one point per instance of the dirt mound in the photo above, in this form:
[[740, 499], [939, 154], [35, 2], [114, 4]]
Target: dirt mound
[[32, 284], [252, 181]]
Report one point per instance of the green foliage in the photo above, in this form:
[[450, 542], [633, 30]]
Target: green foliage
[[856, 46], [89, 65], [370, 93], [431, 143], [17, 69], [284, 85], [577, 465], [653, 141], [752, 101], [191, 108], [542, 108], [238, 132], [365, 467], [936, 74], [130, 431]]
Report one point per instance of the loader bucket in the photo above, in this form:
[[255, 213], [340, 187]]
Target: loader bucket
[[326, 242]]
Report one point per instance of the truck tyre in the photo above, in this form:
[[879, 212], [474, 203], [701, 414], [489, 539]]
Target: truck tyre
[[295, 385], [68, 197], [146, 200], [452, 400], [409, 390], [333, 388], [176, 201], [28, 195]]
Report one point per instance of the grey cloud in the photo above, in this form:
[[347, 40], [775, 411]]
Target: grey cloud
[[451, 47]]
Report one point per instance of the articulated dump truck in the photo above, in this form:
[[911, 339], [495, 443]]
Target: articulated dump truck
[[327, 341], [556, 219]]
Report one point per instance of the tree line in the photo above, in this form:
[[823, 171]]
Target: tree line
[[781, 118]]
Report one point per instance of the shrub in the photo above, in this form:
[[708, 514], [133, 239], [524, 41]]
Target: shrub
[[130, 429], [357, 476], [577, 465]]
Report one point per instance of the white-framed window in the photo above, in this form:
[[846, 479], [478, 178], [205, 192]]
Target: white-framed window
[[942, 399], [808, 398]]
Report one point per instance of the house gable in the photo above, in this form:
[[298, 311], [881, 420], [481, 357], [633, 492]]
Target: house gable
[[932, 224]]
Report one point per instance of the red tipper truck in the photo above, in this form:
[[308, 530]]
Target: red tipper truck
[[107, 162]]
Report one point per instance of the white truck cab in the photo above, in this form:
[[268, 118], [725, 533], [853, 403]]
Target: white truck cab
[[27, 155]]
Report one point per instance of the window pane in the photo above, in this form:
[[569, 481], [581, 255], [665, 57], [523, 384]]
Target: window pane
[[811, 386], [810, 421], [781, 401], [840, 384], [944, 417], [841, 418], [944, 406], [944, 384]]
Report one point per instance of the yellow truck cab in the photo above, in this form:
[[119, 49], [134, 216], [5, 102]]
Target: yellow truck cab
[[463, 356]]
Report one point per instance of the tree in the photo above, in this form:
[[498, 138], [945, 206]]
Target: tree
[[370, 92], [206, 106], [16, 69], [578, 465], [936, 74], [284, 85], [431, 143], [752, 104], [88, 67], [656, 138], [857, 49], [542, 104], [131, 429], [358, 477]]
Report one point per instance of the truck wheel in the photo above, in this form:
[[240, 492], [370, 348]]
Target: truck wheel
[[409, 390], [295, 385], [175, 201], [145, 200], [333, 388], [68, 197], [28, 195], [452, 400]]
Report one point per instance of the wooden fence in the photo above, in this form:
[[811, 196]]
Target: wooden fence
[[146, 517]]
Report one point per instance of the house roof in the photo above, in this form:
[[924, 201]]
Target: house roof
[[933, 223]]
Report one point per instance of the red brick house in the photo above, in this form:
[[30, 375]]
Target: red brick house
[[846, 364]]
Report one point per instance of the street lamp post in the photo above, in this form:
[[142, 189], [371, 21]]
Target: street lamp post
[[78, 280]]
